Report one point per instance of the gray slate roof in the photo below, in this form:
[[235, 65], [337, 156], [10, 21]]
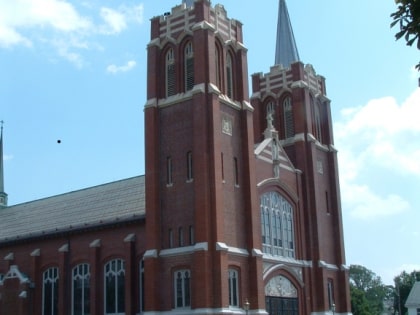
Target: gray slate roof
[[413, 299], [94, 206]]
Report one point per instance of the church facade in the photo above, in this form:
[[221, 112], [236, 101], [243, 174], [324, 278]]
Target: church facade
[[238, 212]]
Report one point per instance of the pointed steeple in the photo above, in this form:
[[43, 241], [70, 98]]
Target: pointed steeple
[[189, 3], [3, 195], [286, 49]]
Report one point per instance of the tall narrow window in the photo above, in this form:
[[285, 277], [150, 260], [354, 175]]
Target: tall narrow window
[[318, 124], [289, 125], [171, 238], [189, 66], [189, 166], [182, 288], [50, 292], [235, 165], [169, 170], [1, 277], [81, 290], [270, 109], [233, 287], [192, 236], [327, 202], [141, 287], [217, 59], [114, 278], [170, 73], [229, 76], [223, 167], [277, 225], [181, 237], [330, 289], [288, 234]]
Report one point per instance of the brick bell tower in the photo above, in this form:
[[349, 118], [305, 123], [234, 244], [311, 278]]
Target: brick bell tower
[[203, 232], [291, 99]]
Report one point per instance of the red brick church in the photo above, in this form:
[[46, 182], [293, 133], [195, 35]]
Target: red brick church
[[238, 212]]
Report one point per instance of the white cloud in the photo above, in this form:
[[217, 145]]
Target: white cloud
[[382, 133], [378, 143], [9, 37], [48, 22], [60, 15], [367, 205], [127, 67], [115, 21]]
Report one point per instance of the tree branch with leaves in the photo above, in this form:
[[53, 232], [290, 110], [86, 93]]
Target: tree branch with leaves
[[407, 17]]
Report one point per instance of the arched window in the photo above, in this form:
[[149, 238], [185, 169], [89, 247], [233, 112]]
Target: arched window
[[318, 125], [233, 287], [170, 73], [189, 66], [182, 288], [141, 286], [114, 278], [289, 125], [50, 291], [81, 290], [277, 225], [229, 76], [218, 61], [180, 236]]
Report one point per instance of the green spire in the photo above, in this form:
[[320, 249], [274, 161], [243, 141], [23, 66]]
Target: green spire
[[286, 49]]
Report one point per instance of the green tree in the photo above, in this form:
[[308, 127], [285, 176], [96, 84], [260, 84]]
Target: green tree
[[359, 303], [403, 284], [367, 291], [407, 17]]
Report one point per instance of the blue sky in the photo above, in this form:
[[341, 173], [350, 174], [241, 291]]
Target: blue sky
[[75, 71]]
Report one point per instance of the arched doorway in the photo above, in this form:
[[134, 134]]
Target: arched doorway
[[281, 297]]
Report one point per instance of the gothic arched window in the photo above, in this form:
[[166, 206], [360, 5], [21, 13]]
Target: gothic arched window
[[81, 290], [50, 291], [233, 285], [318, 124], [270, 109], [229, 76], [218, 60], [289, 125], [170, 73], [189, 66], [277, 224], [114, 278], [182, 288]]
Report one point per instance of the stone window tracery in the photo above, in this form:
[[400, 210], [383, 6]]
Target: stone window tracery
[[277, 225]]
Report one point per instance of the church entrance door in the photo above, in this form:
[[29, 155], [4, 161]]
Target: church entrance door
[[281, 305]]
